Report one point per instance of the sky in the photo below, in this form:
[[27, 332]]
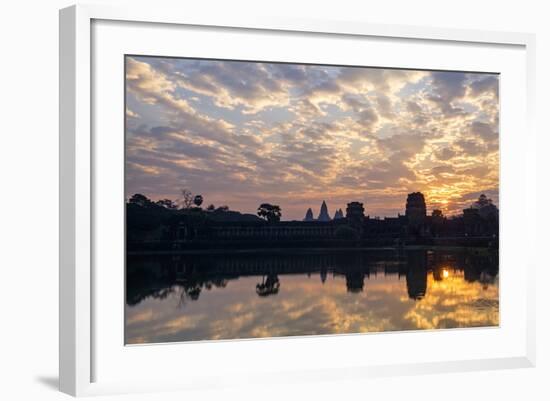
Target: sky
[[244, 133]]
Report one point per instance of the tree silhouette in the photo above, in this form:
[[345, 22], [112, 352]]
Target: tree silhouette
[[167, 203], [140, 200], [187, 199], [197, 200], [483, 201], [272, 213], [211, 208]]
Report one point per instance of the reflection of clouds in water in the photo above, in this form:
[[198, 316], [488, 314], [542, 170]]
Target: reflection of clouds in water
[[454, 302], [143, 316], [305, 306], [165, 325]]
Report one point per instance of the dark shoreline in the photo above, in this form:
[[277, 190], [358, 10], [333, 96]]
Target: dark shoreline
[[309, 250]]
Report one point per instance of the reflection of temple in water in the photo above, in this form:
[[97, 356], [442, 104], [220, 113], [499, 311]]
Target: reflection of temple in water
[[190, 275], [417, 274], [355, 281], [323, 275]]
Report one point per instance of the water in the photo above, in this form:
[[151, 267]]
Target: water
[[271, 294]]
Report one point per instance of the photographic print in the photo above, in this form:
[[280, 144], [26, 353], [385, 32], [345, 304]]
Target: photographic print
[[269, 199]]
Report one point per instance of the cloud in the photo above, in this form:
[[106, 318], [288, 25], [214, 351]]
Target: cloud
[[487, 84], [447, 88], [241, 133], [484, 131], [389, 174], [131, 114], [385, 107], [443, 169], [145, 82], [406, 145], [413, 107], [471, 147], [233, 84], [445, 153], [378, 79], [367, 118]]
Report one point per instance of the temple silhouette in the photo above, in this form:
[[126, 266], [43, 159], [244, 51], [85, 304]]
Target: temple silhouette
[[323, 214], [477, 226]]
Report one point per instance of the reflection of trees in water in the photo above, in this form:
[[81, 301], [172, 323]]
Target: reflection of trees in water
[[268, 286], [190, 275], [193, 292], [145, 285], [191, 286]]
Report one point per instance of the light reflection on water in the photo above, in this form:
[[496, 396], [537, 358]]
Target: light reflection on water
[[244, 295]]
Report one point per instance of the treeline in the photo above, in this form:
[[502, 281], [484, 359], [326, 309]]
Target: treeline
[[190, 204], [151, 220]]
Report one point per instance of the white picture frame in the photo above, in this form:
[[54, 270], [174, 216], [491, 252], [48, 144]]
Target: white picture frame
[[78, 158]]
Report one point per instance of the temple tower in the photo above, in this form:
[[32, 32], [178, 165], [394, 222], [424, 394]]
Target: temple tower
[[323, 214], [355, 213], [416, 209]]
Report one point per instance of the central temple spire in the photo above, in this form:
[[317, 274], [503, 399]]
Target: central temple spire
[[323, 214]]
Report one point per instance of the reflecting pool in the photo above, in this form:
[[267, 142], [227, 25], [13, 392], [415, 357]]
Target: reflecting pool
[[230, 295]]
